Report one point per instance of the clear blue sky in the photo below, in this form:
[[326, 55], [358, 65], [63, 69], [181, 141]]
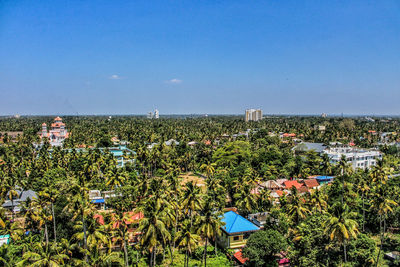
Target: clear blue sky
[[114, 57]]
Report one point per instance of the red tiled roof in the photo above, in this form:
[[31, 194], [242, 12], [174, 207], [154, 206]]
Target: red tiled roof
[[289, 135], [279, 192], [311, 183], [134, 217], [99, 218], [57, 119], [238, 255], [290, 184]]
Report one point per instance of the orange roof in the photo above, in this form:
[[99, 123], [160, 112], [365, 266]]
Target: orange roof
[[279, 192], [289, 135], [58, 119], [134, 217], [44, 124], [290, 184], [99, 218], [57, 124], [311, 183], [238, 255]]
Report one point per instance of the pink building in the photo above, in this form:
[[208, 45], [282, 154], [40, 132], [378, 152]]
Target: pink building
[[57, 134]]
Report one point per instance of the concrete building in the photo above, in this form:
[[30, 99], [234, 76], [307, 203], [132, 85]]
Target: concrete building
[[156, 114], [253, 115], [358, 158]]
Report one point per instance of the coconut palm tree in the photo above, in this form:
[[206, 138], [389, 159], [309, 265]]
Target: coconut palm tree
[[40, 212], [43, 256], [341, 226], [187, 240], [382, 205], [191, 199], [209, 223], [153, 228]]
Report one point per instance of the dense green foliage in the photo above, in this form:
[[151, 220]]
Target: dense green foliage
[[353, 221]]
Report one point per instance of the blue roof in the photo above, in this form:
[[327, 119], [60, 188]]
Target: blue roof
[[325, 178], [98, 201], [234, 223]]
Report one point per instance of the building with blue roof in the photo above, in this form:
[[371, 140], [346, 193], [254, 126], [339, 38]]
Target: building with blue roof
[[236, 230], [324, 179]]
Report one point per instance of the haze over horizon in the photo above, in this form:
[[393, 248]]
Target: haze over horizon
[[209, 57]]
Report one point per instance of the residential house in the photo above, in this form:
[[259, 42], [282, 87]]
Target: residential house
[[236, 230], [272, 185], [292, 183], [311, 183], [15, 203]]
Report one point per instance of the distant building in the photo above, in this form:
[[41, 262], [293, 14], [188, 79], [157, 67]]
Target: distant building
[[323, 115], [155, 115], [306, 147], [57, 134], [253, 115], [10, 136], [358, 158]]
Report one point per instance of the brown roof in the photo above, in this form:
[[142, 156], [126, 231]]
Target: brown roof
[[311, 183], [303, 189]]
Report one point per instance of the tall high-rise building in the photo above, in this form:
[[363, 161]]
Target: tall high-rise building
[[150, 115], [253, 115], [156, 114]]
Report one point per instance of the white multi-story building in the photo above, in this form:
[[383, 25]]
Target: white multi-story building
[[156, 114], [253, 115], [358, 158]]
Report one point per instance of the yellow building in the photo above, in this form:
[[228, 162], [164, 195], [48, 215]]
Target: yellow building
[[236, 230]]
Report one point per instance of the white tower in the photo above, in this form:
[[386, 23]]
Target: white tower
[[44, 130], [156, 114]]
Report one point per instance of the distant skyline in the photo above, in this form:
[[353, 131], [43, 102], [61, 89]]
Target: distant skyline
[[199, 57]]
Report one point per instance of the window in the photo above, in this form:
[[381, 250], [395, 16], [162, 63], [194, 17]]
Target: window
[[236, 238]]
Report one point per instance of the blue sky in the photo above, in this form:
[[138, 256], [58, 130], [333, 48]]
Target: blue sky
[[114, 57]]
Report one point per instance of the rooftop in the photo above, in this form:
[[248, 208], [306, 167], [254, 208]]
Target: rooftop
[[234, 223]]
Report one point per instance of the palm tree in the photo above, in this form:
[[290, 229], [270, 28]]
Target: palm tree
[[43, 256], [341, 226], [80, 207], [96, 234], [382, 205], [297, 209], [191, 199], [120, 223], [187, 239], [153, 228], [209, 224], [40, 214], [100, 259], [317, 201]]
